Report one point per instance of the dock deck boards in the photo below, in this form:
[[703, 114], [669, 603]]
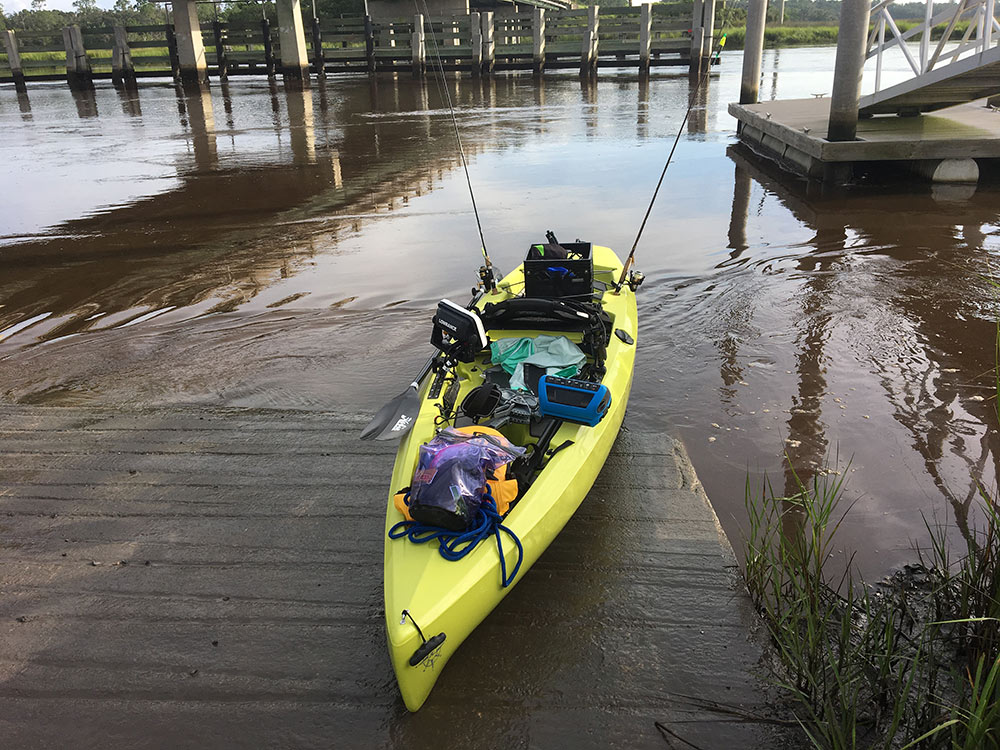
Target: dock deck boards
[[212, 578]]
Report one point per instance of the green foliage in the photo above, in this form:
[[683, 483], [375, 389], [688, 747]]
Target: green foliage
[[912, 661]]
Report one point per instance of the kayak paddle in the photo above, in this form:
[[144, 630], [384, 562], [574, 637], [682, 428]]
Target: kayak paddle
[[396, 418]]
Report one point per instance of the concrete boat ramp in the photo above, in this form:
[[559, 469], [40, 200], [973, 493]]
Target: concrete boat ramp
[[195, 577]]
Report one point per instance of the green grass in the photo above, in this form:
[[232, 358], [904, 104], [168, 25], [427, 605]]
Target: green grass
[[816, 35], [894, 666]]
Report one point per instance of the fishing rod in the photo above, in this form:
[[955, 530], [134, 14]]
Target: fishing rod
[[694, 95], [487, 275]]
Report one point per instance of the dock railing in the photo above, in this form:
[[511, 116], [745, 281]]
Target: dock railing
[[971, 28]]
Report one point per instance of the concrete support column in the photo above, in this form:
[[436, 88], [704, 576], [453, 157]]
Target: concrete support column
[[122, 69], [78, 73], [848, 69], [753, 52], [948, 170], [190, 47], [645, 37], [14, 60], [489, 45], [418, 46], [476, 32], [292, 40], [538, 41]]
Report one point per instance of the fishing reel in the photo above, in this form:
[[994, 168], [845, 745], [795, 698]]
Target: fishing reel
[[635, 279], [488, 278]]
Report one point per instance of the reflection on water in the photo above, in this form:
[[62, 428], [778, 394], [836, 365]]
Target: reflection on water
[[254, 244]]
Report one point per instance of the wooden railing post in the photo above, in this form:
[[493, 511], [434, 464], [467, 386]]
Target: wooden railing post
[[489, 46], [645, 37], [588, 50], [417, 45], [220, 50], [538, 38], [476, 32], [78, 73], [370, 43], [122, 69], [14, 60]]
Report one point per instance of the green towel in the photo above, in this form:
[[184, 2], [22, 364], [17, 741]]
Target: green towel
[[557, 354]]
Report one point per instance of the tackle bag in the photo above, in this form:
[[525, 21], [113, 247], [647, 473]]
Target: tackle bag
[[452, 472]]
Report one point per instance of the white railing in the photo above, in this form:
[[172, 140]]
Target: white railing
[[977, 38]]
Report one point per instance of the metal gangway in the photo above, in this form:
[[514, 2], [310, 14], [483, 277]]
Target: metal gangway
[[962, 66]]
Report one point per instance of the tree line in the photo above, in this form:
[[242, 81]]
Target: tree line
[[87, 14]]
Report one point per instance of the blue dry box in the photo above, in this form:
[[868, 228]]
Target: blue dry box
[[573, 400]]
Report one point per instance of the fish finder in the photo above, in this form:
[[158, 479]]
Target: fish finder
[[572, 400]]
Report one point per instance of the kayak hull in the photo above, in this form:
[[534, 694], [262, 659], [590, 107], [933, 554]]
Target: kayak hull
[[452, 598]]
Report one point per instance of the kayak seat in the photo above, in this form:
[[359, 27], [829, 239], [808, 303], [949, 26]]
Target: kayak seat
[[555, 315]]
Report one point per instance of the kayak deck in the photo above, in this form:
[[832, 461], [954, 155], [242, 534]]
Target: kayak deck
[[454, 597]]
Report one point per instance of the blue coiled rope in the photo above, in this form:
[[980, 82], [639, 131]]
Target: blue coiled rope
[[454, 545]]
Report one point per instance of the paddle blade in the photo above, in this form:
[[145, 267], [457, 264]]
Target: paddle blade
[[395, 418]]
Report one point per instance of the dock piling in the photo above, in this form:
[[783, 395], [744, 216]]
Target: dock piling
[[848, 69], [192, 65], [122, 69], [753, 51], [489, 45], [14, 60], [418, 45], [319, 60], [222, 63], [645, 37], [265, 31], [476, 32], [588, 50], [708, 26], [538, 41], [78, 72], [370, 43], [292, 41]]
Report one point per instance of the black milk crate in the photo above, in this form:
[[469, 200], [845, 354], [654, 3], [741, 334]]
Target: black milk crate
[[562, 277]]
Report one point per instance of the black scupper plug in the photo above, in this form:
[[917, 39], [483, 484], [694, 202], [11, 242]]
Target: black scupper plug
[[426, 649]]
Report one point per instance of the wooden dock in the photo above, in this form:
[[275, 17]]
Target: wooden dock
[[212, 577], [480, 43]]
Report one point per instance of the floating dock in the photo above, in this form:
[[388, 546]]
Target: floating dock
[[212, 577], [944, 146]]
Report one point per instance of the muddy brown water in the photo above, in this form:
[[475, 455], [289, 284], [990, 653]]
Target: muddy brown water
[[256, 246]]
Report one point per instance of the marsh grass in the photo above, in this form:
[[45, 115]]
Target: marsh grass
[[911, 663]]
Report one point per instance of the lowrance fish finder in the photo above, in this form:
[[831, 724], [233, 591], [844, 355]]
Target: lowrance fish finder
[[572, 400]]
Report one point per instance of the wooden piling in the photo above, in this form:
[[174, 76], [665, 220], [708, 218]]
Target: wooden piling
[[265, 30], [417, 45], [476, 31], [220, 50], [78, 72], [538, 39], [588, 49], [122, 69], [489, 45], [319, 59], [708, 25], [14, 60], [370, 43], [175, 63], [645, 37]]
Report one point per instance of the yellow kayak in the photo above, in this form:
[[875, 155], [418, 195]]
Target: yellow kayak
[[433, 604]]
